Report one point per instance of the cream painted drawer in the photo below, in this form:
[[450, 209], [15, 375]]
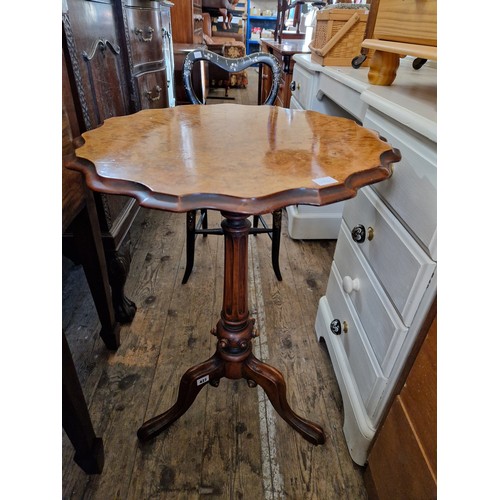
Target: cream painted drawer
[[383, 327], [411, 193], [343, 95], [365, 370], [302, 83], [402, 267]]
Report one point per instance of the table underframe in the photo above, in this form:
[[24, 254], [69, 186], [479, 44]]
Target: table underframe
[[233, 357]]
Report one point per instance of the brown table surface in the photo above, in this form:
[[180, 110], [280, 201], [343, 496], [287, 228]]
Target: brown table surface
[[246, 159]]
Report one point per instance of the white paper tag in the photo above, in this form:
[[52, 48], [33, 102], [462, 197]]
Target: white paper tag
[[202, 380], [323, 181]]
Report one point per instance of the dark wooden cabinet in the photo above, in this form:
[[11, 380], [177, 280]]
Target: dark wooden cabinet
[[147, 29], [117, 55], [187, 22], [284, 52], [187, 35]]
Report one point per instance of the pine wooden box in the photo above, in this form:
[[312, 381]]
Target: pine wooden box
[[338, 36]]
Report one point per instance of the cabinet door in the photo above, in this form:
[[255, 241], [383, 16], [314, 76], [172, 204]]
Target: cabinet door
[[96, 60]]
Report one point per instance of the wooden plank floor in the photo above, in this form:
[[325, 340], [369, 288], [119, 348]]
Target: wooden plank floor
[[230, 444]]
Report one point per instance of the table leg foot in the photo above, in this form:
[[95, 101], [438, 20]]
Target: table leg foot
[[273, 383], [192, 382]]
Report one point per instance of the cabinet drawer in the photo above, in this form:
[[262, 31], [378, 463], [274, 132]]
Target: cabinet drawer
[[145, 35], [381, 323], [343, 95], [152, 87], [363, 365], [400, 264], [412, 190], [302, 82]]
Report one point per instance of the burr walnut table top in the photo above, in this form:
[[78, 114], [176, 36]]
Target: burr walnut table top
[[245, 159]]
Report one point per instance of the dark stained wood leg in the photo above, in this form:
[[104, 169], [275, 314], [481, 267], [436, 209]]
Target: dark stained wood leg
[[255, 221], [190, 238], [90, 253], [89, 450], [119, 266], [233, 358], [204, 220], [192, 382], [275, 247], [273, 383]]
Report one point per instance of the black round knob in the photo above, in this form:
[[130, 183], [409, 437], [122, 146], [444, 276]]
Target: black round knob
[[359, 233], [336, 327]]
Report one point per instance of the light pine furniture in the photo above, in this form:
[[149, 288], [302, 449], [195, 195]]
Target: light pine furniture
[[186, 173], [384, 271], [401, 28]]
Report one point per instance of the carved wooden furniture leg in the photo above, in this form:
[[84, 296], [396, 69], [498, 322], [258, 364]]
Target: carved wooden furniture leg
[[89, 450], [275, 248], [192, 382], [119, 266], [273, 383], [233, 358], [190, 237], [383, 68]]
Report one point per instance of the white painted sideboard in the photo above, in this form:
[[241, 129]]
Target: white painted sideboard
[[384, 272]]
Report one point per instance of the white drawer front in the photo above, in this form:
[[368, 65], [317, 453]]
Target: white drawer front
[[412, 190], [303, 86], [400, 264], [381, 323], [344, 95], [364, 367]]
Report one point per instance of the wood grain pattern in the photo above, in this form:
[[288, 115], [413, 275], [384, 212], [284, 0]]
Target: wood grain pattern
[[166, 159]]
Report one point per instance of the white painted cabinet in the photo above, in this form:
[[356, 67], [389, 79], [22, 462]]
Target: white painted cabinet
[[313, 91], [384, 271]]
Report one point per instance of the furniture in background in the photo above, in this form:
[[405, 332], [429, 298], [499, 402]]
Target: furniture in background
[[193, 227], [284, 52], [356, 159], [187, 35], [261, 16], [384, 272], [78, 210], [313, 87], [89, 449], [116, 58], [226, 45], [402, 464], [284, 7], [401, 28]]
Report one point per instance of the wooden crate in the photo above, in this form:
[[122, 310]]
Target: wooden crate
[[408, 21], [338, 36], [402, 28]]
